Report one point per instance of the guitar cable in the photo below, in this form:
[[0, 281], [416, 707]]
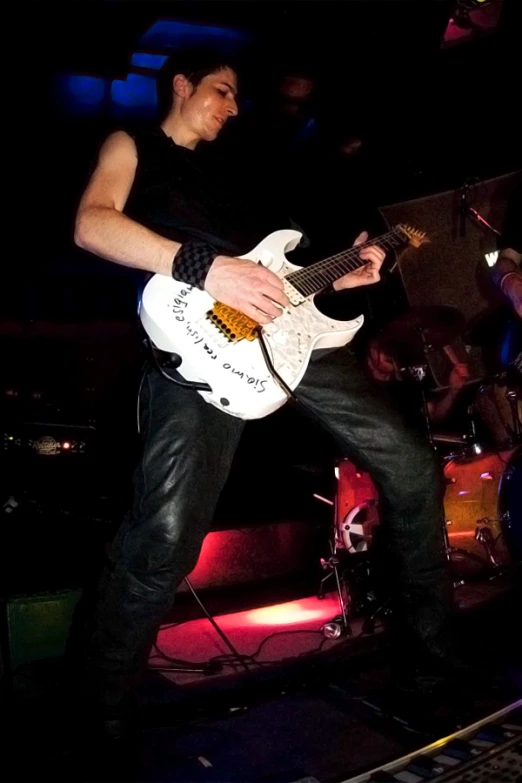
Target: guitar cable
[[175, 361], [272, 369]]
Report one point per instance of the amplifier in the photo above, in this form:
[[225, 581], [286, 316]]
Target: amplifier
[[38, 626], [47, 439]]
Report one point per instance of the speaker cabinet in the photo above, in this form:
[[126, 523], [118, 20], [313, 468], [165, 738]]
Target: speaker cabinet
[[38, 625], [452, 268]]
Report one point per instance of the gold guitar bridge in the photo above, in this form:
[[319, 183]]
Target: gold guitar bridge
[[233, 324]]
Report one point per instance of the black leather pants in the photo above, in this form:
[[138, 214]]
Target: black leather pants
[[188, 446]]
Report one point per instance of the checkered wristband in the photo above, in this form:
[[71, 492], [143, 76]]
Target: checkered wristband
[[192, 262]]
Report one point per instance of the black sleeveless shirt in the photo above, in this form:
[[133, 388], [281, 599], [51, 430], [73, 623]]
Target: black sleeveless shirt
[[181, 193]]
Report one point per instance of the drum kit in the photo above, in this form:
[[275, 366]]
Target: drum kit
[[482, 467]]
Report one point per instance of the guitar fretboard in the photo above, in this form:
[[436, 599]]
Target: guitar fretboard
[[310, 280]]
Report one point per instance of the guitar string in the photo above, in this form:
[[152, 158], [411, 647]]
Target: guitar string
[[344, 256], [309, 277]]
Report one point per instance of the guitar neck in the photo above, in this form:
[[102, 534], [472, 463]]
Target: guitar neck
[[310, 280]]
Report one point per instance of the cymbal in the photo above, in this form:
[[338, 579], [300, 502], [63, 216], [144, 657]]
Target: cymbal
[[436, 326]]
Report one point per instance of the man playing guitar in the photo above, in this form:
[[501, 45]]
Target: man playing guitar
[[154, 203]]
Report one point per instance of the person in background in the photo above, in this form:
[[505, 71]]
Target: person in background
[[404, 392]]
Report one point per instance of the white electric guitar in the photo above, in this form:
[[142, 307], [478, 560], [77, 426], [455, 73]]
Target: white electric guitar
[[223, 348]]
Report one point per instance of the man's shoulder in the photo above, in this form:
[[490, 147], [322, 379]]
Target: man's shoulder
[[116, 149], [151, 145], [141, 134]]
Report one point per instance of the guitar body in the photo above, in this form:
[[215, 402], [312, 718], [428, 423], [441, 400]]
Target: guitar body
[[174, 316]]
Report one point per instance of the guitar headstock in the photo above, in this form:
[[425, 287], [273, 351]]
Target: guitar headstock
[[415, 238]]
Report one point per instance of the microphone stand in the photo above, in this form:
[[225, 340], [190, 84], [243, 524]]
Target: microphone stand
[[482, 222], [419, 376], [467, 211]]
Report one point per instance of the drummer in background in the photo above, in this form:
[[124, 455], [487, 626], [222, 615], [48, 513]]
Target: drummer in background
[[507, 272], [404, 391]]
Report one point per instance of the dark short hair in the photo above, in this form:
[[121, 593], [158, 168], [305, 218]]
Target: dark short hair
[[194, 64]]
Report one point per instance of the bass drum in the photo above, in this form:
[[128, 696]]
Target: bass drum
[[485, 491], [356, 509]]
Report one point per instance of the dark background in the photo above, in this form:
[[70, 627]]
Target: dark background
[[432, 116]]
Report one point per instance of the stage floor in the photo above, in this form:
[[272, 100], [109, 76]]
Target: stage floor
[[308, 708]]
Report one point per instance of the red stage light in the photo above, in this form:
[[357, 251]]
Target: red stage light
[[284, 614]]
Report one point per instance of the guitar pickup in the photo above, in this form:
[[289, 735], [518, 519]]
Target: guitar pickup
[[232, 324]]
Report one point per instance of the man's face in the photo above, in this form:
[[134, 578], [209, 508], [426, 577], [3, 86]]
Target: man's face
[[210, 104]]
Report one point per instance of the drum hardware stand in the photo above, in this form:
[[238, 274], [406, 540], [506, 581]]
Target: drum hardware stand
[[453, 550], [472, 438], [371, 604], [418, 373], [339, 625], [512, 398], [513, 378], [448, 549], [484, 536]]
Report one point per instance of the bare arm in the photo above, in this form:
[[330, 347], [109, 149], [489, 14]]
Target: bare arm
[[439, 407], [103, 229], [509, 262]]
